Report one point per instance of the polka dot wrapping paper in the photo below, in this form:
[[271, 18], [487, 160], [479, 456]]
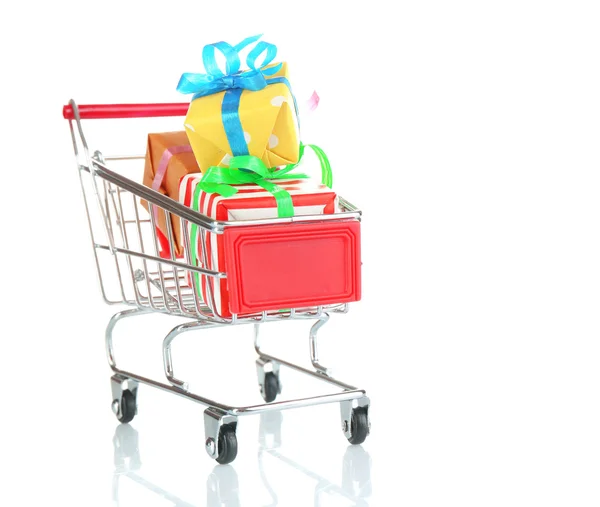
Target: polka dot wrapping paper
[[268, 120]]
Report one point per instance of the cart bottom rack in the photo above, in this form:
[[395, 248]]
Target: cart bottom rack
[[220, 420]]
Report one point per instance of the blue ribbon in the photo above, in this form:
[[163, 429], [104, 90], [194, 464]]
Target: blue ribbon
[[233, 82], [232, 123]]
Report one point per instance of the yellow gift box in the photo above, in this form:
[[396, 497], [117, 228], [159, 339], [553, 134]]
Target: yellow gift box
[[235, 112], [267, 117]]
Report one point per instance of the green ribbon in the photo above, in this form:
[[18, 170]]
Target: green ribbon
[[326, 173], [247, 169]]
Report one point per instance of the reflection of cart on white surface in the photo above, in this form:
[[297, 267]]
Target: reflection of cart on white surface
[[129, 256], [222, 485], [356, 468], [128, 463]]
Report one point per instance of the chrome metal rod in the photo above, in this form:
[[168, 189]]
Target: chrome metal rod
[[300, 402], [254, 409], [321, 376], [314, 349], [297, 219], [154, 225], [126, 251], [125, 157], [136, 289], [88, 160], [167, 356], [176, 390], [143, 254], [110, 352], [152, 196], [187, 213], [170, 236], [109, 218], [314, 356], [89, 221]]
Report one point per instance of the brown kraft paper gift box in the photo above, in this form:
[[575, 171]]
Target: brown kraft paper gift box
[[171, 154]]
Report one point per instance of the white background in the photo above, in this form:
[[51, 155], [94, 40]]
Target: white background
[[468, 132]]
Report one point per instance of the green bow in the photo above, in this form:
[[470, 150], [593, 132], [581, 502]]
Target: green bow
[[246, 169]]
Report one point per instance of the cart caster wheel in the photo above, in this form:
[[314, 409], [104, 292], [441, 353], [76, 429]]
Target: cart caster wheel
[[268, 378], [271, 388], [359, 425], [227, 445], [125, 407]]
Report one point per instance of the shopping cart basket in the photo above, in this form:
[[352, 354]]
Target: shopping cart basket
[[147, 281]]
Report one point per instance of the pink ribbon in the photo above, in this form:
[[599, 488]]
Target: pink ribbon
[[313, 101], [159, 176], [164, 162]]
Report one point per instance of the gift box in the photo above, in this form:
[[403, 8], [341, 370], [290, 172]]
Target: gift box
[[249, 203], [241, 113], [169, 158]]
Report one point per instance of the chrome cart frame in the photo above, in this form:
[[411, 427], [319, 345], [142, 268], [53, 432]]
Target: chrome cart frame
[[125, 234]]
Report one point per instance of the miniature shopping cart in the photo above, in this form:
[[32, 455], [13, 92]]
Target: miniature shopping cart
[[148, 281]]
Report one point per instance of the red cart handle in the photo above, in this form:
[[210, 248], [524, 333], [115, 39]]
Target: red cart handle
[[104, 111]]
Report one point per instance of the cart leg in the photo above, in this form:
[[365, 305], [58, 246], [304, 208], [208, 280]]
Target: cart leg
[[220, 439], [167, 357], [110, 352], [314, 349]]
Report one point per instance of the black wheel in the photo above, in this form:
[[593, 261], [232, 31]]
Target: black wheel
[[359, 425], [127, 407], [227, 445], [270, 387]]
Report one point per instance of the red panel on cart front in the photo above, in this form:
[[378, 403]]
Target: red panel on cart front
[[273, 267]]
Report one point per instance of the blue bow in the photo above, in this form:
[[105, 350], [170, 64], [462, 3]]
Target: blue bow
[[215, 80]]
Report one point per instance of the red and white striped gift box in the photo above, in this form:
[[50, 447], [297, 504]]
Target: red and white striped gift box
[[251, 202]]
